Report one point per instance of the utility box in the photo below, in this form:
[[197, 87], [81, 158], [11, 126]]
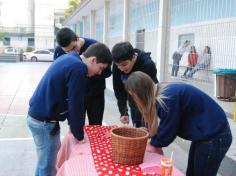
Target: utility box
[[140, 39], [226, 84]]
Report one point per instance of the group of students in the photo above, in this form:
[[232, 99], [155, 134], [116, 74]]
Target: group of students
[[195, 61], [74, 84]]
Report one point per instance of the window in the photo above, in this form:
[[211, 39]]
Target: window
[[6, 41], [45, 52], [42, 52], [81, 27], [144, 14], [87, 27], [31, 42], [74, 27], [115, 21], [99, 31], [140, 38], [184, 37], [61, 20], [191, 11], [99, 24]]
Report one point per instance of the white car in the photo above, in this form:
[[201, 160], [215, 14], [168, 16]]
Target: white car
[[38, 55]]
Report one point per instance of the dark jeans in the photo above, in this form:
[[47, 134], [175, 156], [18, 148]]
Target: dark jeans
[[136, 117], [189, 68], [205, 157], [175, 67], [94, 106]]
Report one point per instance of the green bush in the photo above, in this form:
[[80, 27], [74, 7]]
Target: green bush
[[29, 49]]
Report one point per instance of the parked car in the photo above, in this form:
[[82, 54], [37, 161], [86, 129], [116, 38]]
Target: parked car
[[11, 50], [38, 55], [52, 50]]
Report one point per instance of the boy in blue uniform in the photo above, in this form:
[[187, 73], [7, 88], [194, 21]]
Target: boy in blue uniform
[[187, 112], [59, 96], [127, 60], [95, 98]]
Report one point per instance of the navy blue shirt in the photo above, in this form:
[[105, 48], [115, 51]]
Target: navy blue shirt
[[96, 84], [58, 52], [189, 113], [143, 63], [60, 93], [87, 42]]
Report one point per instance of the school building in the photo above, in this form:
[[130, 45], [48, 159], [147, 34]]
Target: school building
[[161, 27]]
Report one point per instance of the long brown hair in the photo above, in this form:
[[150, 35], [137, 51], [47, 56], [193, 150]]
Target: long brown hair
[[142, 89]]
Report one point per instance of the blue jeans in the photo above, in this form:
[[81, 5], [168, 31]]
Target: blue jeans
[[205, 157], [47, 146]]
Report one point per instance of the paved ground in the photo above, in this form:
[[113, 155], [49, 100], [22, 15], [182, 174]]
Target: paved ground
[[17, 83]]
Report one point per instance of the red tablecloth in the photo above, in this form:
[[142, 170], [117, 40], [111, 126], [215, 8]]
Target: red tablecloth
[[94, 157]]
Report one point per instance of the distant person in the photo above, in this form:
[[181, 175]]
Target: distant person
[[60, 95], [95, 97], [203, 62], [127, 60], [192, 60], [177, 57], [185, 111]]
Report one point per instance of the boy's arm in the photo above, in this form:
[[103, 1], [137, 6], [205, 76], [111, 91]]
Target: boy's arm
[[169, 123], [76, 81], [120, 92]]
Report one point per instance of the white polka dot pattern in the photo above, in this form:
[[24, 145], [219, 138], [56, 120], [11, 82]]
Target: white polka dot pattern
[[100, 144]]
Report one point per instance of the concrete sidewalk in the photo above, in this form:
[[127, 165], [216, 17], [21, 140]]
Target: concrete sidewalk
[[17, 151]]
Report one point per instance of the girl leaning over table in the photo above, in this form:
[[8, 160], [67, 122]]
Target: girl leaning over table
[[183, 111]]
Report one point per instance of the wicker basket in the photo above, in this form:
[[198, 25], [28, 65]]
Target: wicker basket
[[128, 145]]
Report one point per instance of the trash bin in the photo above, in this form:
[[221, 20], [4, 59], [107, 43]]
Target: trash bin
[[225, 84]]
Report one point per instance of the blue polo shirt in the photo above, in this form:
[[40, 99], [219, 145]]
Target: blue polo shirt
[[60, 93]]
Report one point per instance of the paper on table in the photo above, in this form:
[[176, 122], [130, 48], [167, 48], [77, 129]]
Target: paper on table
[[152, 163]]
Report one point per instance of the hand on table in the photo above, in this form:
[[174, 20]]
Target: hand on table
[[124, 119], [81, 141], [76, 141], [152, 149], [144, 128]]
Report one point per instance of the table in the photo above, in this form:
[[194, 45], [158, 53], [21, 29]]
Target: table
[[93, 158]]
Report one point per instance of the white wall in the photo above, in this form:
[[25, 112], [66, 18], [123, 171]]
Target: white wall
[[19, 42], [151, 40], [150, 43], [220, 35], [112, 41], [16, 13], [44, 24]]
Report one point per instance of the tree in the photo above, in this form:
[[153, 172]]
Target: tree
[[3, 35], [73, 4]]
